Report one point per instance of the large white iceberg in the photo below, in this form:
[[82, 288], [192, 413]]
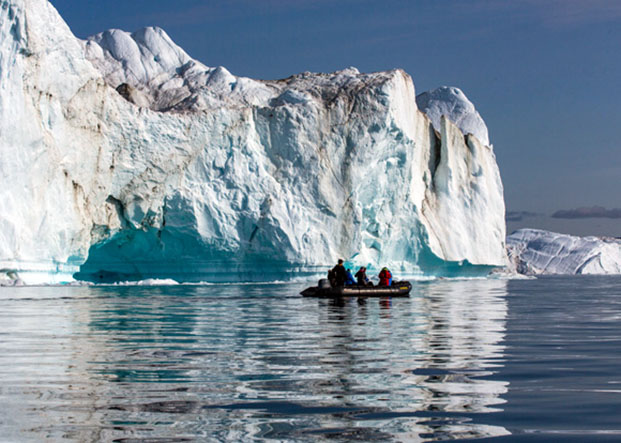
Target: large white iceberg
[[122, 157], [535, 252]]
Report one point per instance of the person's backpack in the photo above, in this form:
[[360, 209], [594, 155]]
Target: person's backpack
[[332, 277]]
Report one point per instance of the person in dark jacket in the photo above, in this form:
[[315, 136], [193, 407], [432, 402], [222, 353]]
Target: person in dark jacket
[[339, 273], [361, 277], [385, 277]]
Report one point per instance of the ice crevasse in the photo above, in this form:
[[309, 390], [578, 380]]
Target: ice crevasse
[[122, 157]]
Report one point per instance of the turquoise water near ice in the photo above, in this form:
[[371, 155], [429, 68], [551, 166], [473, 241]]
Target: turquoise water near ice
[[518, 360]]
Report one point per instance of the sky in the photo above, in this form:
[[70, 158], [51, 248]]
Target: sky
[[545, 75]]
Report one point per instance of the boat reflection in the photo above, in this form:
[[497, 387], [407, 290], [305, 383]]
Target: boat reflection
[[440, 351]]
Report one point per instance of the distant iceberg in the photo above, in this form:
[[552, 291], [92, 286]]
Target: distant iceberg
[[537, 252], [123, 158]]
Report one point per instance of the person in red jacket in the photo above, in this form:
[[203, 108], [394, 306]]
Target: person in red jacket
[[385, 277]]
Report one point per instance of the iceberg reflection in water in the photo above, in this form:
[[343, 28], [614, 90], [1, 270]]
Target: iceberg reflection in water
[[251, 361]]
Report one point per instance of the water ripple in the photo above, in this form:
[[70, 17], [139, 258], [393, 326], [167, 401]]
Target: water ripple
[[251, 362]]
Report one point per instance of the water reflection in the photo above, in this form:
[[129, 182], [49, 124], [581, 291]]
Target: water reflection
[[251, 362], [422, 366]]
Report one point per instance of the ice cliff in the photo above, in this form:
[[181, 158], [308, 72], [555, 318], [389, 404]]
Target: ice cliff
[[122, 157], [535, 252]]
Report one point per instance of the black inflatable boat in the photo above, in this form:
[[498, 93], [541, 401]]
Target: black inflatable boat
[[397, 289]]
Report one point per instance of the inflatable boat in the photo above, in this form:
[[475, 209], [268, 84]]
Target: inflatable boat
[[324, 290]]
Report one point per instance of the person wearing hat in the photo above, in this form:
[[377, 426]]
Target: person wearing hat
[[385, 277], [339, 273]]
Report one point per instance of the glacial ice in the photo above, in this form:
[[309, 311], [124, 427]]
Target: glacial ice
[[123, 158], [453, 103], [535, 252]]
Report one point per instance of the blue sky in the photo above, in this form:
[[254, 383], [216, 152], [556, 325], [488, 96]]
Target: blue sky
[[544, 74]]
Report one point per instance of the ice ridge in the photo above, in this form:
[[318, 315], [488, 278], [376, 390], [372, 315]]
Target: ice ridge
[[453, 103]]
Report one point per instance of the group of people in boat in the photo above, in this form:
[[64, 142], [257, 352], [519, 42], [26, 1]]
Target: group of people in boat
[[340, 276]]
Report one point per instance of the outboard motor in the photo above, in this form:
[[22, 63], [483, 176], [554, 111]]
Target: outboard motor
[[324, 283]]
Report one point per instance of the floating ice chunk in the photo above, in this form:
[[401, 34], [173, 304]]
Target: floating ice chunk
[[150, 282]]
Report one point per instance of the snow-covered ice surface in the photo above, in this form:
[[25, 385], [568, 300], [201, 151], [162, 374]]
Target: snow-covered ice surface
[[534, 252], [454, 104], [123, 158]]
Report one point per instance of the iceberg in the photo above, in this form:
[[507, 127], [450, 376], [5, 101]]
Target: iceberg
[[537, 252], [123, 158]]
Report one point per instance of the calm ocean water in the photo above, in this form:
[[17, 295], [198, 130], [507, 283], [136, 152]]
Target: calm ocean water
[[520, 360]]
